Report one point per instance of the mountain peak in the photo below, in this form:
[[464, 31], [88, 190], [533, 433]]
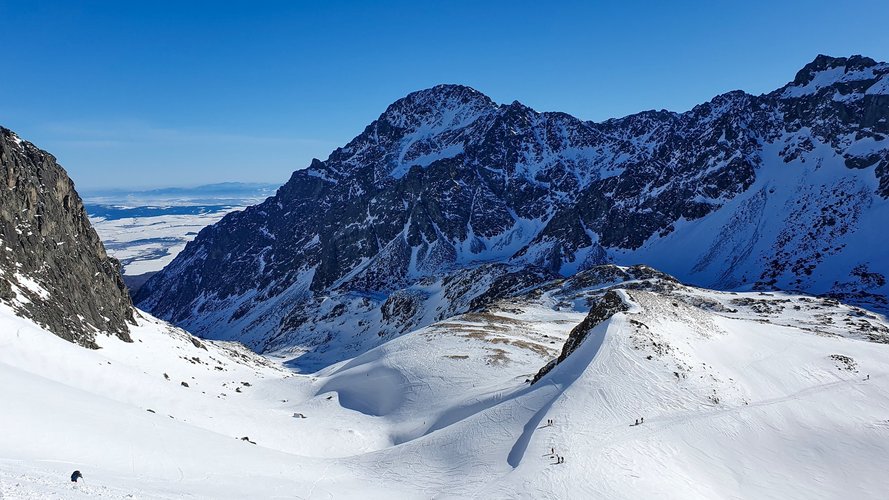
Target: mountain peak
[[827, 71], [449, 91], [444, 105], [824, 62]]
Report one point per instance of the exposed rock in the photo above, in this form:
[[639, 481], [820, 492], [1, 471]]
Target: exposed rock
[[53, 267], [610, 304], [844, 362]]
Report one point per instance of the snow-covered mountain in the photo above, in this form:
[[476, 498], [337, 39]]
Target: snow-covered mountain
[[743, 395], [471, 381], [783, 190], [53, 267]]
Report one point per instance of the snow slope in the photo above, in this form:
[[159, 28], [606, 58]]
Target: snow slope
[[814, 211], [745, 395], [733, 408]]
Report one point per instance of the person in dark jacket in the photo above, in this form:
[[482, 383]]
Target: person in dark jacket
[[77, 475]]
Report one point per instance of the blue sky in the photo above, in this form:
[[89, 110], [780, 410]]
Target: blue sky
[[141, 94]]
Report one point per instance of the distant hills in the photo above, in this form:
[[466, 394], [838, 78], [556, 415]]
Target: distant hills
[[223, 193]]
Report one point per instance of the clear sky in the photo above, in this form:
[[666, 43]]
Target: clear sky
[[139, 93]]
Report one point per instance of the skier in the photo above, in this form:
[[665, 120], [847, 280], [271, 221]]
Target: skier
[[868, 377], [642, 420], [637, 422], [75, 476]]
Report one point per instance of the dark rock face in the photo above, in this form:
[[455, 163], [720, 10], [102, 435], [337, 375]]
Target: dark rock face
[[447, 179], [53, 267], [604, 308]]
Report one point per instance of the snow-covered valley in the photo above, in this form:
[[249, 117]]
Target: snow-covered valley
[[145, 239], [743, 395], [145, 230]]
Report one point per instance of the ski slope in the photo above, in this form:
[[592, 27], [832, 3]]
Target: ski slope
[[744, 395]]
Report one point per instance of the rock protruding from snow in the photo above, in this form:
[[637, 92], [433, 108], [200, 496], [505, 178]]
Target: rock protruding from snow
[[53, 267], [610, 304]]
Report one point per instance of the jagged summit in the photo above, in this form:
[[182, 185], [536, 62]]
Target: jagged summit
[[855, 63], [783, 190], [443, 107], [429, 105], [839, 76]]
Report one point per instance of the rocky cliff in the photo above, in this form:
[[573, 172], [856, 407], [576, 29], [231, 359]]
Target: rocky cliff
[[53, 267]]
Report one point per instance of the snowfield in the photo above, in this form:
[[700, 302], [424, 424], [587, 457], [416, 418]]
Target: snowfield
[[147, 243], [744, 395], [146, 229]]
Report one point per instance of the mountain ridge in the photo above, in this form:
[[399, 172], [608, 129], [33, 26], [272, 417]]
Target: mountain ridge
[[446, 179]]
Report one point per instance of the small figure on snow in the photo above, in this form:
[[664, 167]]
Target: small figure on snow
[[642, 420], [868, 377], [75, 476], [637, 422]]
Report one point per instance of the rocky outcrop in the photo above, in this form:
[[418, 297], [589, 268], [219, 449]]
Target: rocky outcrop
[[53, 267], [603, 309]]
